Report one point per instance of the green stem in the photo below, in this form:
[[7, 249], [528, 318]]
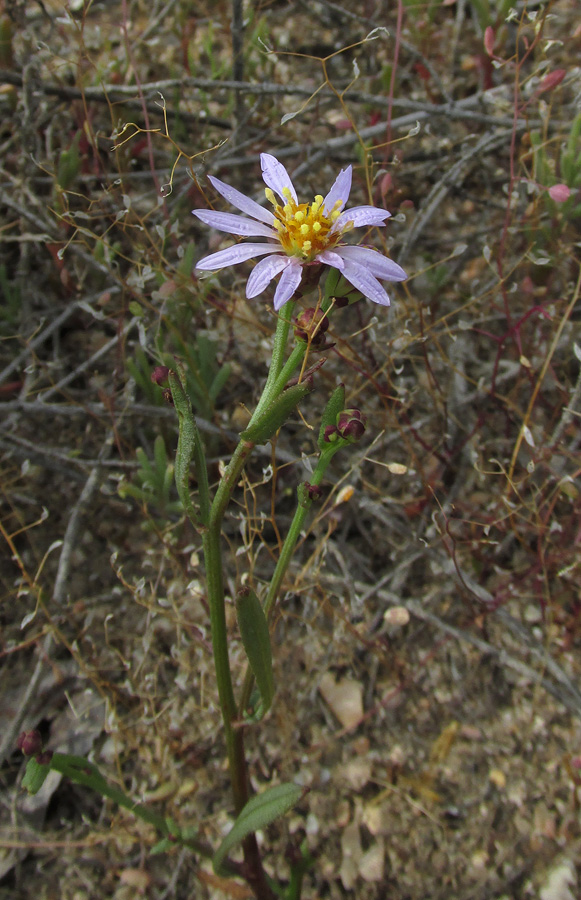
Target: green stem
[[298, 871], [201, 470], [278, 350], [292, 363], [190, 447], [286, 554], [215, 585]]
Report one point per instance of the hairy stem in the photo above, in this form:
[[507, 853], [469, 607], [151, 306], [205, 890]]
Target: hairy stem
[[278, 350]]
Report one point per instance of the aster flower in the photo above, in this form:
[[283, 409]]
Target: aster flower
[[299, 235]]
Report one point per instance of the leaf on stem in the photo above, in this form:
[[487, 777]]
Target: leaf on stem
[[188, 435], [277, 413], [259, 812], [335, 405], [256, 639]]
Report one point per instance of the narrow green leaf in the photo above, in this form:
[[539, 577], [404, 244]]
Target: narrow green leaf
[[259, 812], [567, 169], [126, 489], [69, 164], [206, 355], [573, 141], [160, 454], [166, 485], [35, 776], [332, 284], [277, 413], [336, 285], [172, 827], [219, 381], [162, 846], [188, 433], [146, 467], [256, 639]]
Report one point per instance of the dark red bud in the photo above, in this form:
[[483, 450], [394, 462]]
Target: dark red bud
[[353, 430], [330, 434], [314, 491], [30, 742], [352, 413], [160, 375], [351, 424], [43, 759], [311, 326]]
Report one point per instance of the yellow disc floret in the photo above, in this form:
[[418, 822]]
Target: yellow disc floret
[[304, 229]]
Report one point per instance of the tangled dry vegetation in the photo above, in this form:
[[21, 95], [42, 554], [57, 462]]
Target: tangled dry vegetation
[[427, 644]]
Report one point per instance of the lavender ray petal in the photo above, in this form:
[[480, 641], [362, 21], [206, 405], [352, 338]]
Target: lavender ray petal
[[231, 256], [364, 281], [339, 191], [241, 201], [375, 262], [289, 282], [234, 224], [362, 215], [263, 273], [276, 177], [331, 258]]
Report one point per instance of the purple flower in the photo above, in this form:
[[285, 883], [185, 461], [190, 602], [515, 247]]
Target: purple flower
[[299, 234]]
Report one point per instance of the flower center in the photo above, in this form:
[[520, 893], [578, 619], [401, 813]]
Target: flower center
[[304, 229]]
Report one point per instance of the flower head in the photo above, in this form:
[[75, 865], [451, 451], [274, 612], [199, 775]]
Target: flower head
[[299, 235]]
